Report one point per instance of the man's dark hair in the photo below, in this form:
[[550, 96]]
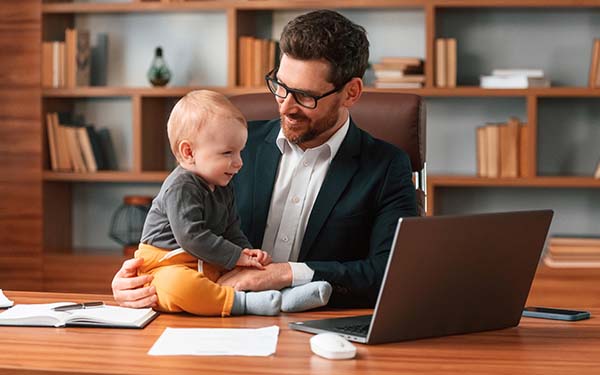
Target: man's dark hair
[[325, 34]]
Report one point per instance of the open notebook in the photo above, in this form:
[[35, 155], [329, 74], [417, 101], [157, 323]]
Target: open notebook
[[105, 316]]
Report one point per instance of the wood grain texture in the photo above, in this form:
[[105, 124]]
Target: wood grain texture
[[20, 145], [536, 346], [80, 273]]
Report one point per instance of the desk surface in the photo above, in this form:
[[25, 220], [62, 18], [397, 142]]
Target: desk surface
[[536, 346]]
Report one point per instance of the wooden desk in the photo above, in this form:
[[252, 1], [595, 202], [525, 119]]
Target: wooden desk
[[535, 347]]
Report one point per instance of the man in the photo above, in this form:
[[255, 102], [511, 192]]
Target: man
[[316, 192]]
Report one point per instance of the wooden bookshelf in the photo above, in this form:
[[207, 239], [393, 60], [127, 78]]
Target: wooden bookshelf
[[49, 227]]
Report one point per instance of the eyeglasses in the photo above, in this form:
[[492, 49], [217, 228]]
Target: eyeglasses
[[303, 98]]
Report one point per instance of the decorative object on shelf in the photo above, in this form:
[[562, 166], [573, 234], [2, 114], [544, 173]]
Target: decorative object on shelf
[[159, 74], [128, 221]]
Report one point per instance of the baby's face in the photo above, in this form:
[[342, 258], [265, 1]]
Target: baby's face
[[217, 151]]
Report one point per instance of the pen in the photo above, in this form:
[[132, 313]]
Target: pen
[[79, 306]]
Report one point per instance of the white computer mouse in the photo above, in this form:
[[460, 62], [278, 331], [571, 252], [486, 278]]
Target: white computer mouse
[[332, 346]]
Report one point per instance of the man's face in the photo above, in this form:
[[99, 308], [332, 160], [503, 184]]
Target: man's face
[[305, 127]]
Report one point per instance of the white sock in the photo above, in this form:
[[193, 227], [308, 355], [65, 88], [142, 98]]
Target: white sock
[[305, 297], [257, 303]]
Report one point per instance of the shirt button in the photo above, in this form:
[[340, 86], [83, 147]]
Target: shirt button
[[305, 163], [285, 239], [295, 200]]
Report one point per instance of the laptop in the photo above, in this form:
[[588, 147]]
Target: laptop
[[449, 275]]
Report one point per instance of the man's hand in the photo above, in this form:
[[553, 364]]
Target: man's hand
[[274, 276], [128, 288]]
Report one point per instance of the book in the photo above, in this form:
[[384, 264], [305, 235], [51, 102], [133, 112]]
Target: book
[[96, 147], [493, 150], [408, 61], [509, 149], [512, 82], [573, 252], [595, 64], [533, 73], [524, 151], [481, 150], [397, 85], [52, 143], [108, 150], [451, 62], [441, 57], [43, 315]]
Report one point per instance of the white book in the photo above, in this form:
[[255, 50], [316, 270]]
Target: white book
[[398, 85], [44, 315], [533, 73], [512, 82], [388, 74]]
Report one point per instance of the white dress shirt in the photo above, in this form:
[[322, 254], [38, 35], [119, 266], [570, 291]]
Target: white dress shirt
[[297, 184]]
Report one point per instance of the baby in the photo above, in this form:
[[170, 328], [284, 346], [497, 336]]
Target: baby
[[193, 226]]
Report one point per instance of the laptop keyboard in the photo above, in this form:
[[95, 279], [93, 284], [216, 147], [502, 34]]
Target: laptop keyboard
[[355, 329]]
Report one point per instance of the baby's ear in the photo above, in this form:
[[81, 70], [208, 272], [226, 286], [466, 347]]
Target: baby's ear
[[186, 151]]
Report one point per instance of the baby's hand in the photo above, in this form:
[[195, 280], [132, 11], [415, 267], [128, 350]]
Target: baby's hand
[[254, 258]]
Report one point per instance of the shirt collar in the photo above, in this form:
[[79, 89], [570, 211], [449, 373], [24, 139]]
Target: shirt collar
[[333, 143]]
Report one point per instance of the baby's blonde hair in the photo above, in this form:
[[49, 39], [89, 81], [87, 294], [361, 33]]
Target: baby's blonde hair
[[193, 111]]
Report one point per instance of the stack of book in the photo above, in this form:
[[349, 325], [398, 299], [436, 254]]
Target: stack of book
[[399, 73], [76, 147], [595, 65], [256, 58], [501, 149], [445, 62], [514, 79], [573, 252], [67, 63]]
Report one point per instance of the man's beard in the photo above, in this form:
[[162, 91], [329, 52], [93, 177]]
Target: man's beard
[[311, 133]]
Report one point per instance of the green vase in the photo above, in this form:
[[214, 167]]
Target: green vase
[[159, 74]]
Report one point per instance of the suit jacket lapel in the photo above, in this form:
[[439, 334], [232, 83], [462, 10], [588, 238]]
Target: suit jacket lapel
[[341, 170], [265, 171]]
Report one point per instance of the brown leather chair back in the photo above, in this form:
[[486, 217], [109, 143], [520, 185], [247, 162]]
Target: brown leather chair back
[[393, 117]]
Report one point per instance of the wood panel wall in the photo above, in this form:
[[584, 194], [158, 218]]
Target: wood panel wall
[[20, 146]]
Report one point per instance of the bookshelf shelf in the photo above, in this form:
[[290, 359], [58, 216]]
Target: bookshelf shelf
[[108, 91], [133, 7], [548, 182], [105, 176]]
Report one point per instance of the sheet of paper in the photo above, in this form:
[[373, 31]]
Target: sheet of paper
[[5, 302], [259, 342]]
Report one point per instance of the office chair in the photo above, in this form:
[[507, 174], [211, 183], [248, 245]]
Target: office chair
[[396, 118]]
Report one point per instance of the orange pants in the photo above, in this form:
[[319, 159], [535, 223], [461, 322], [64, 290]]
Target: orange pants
[[179, 285]]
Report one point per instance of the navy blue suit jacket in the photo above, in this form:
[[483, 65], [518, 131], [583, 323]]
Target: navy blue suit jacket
[[350, 230]]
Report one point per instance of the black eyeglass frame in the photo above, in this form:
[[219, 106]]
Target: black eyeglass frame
[[270, 77]]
